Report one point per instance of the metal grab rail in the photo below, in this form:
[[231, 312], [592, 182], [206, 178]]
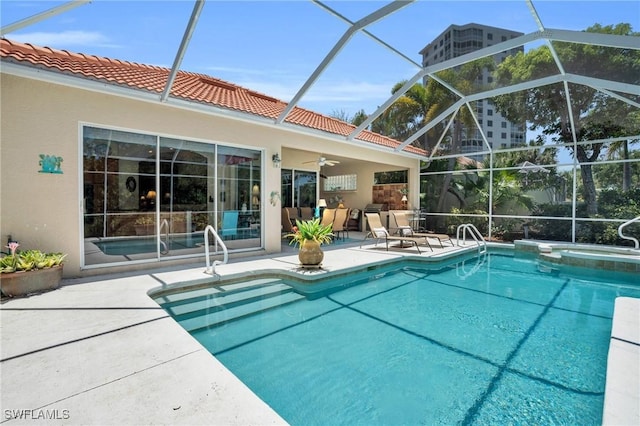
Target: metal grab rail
[[211, 269], [165, 247], [624, 237], [474, 233], [461, 267]]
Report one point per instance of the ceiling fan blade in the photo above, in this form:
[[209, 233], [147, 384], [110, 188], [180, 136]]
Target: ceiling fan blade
[[322, 161]]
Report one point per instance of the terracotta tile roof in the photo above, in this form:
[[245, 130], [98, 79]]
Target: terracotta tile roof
[[188, 86]]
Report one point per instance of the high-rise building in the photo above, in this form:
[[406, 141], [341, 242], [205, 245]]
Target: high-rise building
[[458, 40]]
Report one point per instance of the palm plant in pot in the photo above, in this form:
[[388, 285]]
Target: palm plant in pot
[[310, 235], [29, 271]]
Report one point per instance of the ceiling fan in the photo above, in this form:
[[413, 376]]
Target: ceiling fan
[[322, 161]]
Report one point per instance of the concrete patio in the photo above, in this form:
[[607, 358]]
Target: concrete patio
[[101, 351]]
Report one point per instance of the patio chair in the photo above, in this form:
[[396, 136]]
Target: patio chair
[[306, 213], [405, 228], [293, 214], [339, 222], [378, 231], [287, 224], [229, 228], [327, 217]]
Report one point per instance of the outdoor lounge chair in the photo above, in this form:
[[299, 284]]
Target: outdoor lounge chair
[[405, 228], [378, 231]]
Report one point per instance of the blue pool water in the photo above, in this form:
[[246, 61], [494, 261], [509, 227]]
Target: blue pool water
[[503, 341], [125, 246]]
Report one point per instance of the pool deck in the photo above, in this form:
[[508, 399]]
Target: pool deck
[[99, 350]]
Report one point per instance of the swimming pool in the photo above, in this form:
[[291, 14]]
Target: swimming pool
[[494, 340]]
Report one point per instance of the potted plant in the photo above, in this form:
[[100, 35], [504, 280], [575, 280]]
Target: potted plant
[[310, 235], [29, 271]]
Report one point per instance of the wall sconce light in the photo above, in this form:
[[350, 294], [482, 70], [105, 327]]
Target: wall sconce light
[[276, 160], [404, 199]]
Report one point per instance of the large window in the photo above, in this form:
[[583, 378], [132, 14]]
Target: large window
[[148, 197], [299, 188]]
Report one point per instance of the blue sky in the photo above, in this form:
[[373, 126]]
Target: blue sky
[[273, 46]]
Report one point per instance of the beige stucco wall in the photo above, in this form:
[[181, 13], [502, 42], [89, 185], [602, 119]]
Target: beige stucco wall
[[368, 162], [44, 210]]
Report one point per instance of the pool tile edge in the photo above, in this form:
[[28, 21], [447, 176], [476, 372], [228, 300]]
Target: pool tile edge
[[622, 389]]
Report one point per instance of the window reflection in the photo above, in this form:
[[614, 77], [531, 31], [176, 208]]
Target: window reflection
[[150, 197]]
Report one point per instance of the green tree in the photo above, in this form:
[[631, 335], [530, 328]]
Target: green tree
[[405, 115], [359, 118], [507, 191], [619, 176], [538, 155], [620, 150], [421, 104], [340, 114], [594, 115]]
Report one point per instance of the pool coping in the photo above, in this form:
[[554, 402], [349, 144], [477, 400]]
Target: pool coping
[[622, 388], [62, 351]]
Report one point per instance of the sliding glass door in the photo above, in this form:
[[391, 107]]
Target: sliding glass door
[[148, 197], [299, 188]]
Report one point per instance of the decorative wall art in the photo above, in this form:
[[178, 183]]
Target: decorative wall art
[[50, 164]]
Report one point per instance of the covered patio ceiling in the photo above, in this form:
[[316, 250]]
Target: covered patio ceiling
[[566, 74]]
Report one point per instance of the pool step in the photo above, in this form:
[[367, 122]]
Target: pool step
[[202, 293], [202, 311]]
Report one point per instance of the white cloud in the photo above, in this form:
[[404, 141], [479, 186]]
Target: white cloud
[[65, 38]]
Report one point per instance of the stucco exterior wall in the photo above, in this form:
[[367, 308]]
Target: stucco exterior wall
[[369, 162], [44, 210]]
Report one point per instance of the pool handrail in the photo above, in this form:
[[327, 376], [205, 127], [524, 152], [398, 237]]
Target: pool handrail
[[211, 269], [165, 224], [461, 268], [624, 237], [474, 233]]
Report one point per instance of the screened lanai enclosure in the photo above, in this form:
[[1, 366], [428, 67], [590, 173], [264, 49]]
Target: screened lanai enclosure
[[528, 125], [527, 135], [576, 178]]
